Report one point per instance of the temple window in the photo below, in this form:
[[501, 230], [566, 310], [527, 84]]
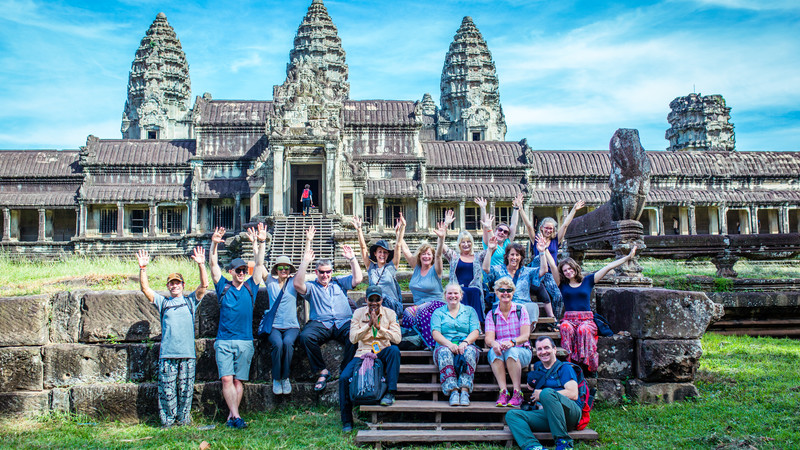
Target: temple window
[[108, 221], [369, 214], [502, 214], [391, 213], [222, 216], [152, 134], [472, 218], [440, 212], [347, 204], [476, 136], [140, 221], [170, 220], [265, 211]]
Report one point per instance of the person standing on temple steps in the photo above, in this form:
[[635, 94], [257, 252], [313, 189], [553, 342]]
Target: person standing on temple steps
[[176, 363], [308, 200]]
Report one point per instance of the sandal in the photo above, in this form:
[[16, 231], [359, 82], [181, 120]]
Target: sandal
[[322, 383]]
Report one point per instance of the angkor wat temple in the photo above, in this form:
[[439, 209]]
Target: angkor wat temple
[[180, 170]]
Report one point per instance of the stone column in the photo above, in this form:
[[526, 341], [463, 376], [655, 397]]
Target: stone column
[[255, 204], [381, 214], [77, 221], [462, 214], [42, 224], [330, 188], [194, 214], [692, 220], [237, 212], [358, 202], [722, 211], [277, 181], [660, 220], [153, 222], [683, 220], [422, 214], [120, 220], [783, 219], [490, 210], [6, 224], [713, 220], [744, 221], [82, 217]]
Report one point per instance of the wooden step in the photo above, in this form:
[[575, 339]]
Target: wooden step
[[436, 387], [437, 426], [430, 368], [394, 436], [431, 406]]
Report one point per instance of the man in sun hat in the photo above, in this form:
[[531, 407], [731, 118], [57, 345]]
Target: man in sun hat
[[237, 298]]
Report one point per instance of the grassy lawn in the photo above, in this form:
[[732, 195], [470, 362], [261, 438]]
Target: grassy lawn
[[749, 387]]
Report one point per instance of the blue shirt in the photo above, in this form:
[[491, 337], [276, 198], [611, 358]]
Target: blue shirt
[[425, 288], [577, 299], [499, 252], [455, 329], [236, 310], [177, 325], [527, 277], [330, 305], [385, 278], [552, 248], [286, 316], [557, 379]]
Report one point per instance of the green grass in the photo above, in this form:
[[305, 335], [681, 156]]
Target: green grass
[[749, 395]]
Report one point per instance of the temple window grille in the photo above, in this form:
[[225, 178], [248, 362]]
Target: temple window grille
[[171, 220], [265, 205], [108, 221], [476, 136], [140, 221], [391, 213], [502, 214], [222, 216], [369, 214], [152, 134], [472, 218]]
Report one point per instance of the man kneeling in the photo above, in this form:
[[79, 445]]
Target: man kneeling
[[555, 388], [375, 330]]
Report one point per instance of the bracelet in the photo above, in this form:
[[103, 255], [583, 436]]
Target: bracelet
[[261, 241], [515, 208], [351, 259], [142, 267]]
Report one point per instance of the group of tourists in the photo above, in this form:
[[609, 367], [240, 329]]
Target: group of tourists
[[490, 289]]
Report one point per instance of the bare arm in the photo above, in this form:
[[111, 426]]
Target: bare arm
[[361, 241], [213, 257], [570, 390], [528, 224], [487, 260], [199, 256], [299, 279], [441, 232], [542, 247], [613, 265], [143, 257], [512, 233], [258, 237], [399, 231], [486, 222], [355, 267], [524, 334], [401, 243], [562, 231], [553, 268]]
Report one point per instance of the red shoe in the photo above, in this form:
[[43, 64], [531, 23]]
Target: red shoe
[[502, 399]]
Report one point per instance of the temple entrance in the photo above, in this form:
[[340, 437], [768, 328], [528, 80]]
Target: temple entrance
[[306, 174]]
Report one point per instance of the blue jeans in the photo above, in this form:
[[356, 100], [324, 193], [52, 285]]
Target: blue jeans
[[282, 342], [390, 356]]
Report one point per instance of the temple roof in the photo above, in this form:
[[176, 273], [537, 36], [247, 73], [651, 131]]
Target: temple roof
[[468, 190], [223, 188], [38, 194], [379, 112], [136, 193], [317, 42], [39, 163], [474, 154], [232, 112], [130, 152], [392, 188]]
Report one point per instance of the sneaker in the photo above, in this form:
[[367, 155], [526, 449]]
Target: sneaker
[[230, 423], [464, 399], [516, 399], [239, 423], [502, 399], [455, 398], [348, 427], [277, 387], [387, 399], [287, 386], [563, 444], [535, 447]]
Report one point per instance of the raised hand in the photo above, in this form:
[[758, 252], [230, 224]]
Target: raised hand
[[489, 222], [541, 243], [347, 251], [441, 229], [199, 255], [308, 256], [218, 235], [357, 222], [480, 201], [517, 201], [251, 234], [449, 217], [402, 220], [492, 244], [262, 232], [143, 257], [311, 232], [578, 205]]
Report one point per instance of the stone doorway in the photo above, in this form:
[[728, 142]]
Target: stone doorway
[[306, 174]]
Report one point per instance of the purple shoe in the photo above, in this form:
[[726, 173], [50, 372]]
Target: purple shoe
[[502, 399], [516, 399]]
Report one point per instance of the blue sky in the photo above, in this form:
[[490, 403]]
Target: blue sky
[[571, 72]]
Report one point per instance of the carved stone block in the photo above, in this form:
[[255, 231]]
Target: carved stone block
[[616, 356], [65, 325], [667, 360], [70, 364], [119, 316], [20, 369], [126, 402], [643, 392], [24, 320], [24, 403]]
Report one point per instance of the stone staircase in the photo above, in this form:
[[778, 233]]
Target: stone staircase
[[422, 414], [289, 237]]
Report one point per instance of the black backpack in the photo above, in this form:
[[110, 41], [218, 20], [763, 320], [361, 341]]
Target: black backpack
[[369, 391]]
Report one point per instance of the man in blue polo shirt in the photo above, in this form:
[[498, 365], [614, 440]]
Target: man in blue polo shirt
[[330, 312], [237, 297]]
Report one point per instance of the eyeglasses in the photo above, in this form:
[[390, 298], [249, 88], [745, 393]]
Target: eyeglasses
[[504, 290], [324, 272], [240, 270], [374, 299], [503, 230], [283, 268]]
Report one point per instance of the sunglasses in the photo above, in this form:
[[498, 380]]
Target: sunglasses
[[324, 272], [503, 230], [505, 290], [240, 270], [283, 268], [374, 299]]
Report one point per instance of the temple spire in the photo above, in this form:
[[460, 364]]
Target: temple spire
[[317, 42], [470, 98], [159, 88]]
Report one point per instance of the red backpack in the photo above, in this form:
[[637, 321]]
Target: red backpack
[[585, 397]]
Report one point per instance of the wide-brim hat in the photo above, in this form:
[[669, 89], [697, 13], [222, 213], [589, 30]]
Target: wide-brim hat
[[283, 261], [380, 244]]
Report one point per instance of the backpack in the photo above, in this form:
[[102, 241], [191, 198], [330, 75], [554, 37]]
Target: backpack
[[518, 310], [585, 397], [375, 387], [228, 286]]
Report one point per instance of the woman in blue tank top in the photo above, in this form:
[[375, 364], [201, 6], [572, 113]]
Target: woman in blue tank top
[[381, 263]]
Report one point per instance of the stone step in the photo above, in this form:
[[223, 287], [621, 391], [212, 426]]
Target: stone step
[[455, 435]]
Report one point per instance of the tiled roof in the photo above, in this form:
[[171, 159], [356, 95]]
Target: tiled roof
[[223, 188], [34, 194], [570, 163], [392, 188], [569, 197], [378, 112], [474, 154], [39, 163], [234, 112], [720, 195], [231, 146], [471, 190], [147, 192], [135, 152]]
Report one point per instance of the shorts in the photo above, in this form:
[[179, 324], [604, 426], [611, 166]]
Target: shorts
[[233, 358], [521, 354]]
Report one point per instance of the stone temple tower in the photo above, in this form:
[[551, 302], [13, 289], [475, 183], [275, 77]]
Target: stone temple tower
[[309, 102], [470, 99], [700, 123], [159, 89]]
